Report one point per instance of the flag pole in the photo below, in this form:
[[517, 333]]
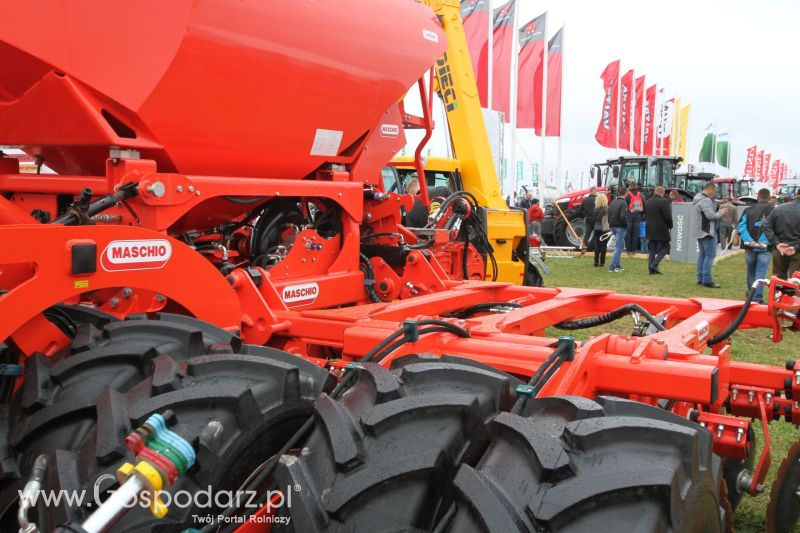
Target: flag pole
[[542, 165], [560, 104], [490, 56], [513, 92]]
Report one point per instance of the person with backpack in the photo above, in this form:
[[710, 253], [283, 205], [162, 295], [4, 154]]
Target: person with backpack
[[705, 211], [756, 245], [635, 204], [618, 222]]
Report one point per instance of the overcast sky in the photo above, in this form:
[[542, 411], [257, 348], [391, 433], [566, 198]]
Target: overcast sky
[[737, 62]]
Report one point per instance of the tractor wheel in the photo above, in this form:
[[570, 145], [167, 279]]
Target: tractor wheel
[[575, 465], [424, 448], [237, 405], [565, 237], [383, 455]]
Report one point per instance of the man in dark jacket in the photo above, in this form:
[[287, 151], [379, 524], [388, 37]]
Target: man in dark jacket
[[782, 228], [587, 211], [658, 213], [617, 219], [757, 248]]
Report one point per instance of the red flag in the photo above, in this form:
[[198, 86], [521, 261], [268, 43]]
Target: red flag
[[664, 133], [750, 162], [529, 82], [555, 55], [784, 168], [774, 174], [625, 100], [475, 16], [638, 97], [765, 168], [650, 121], [501, 58], [759, 175], [606, 133]]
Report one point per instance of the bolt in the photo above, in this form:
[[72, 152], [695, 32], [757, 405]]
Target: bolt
[[113, 302], [734, 394], [368, 217], [191, 188], [313, 259], [750, 396], [720, 429], [797, 377], [157, 189], [277, 193], [160, 297], [126, 292], [768, 397], [197, 192], [180, 188], [759, 488], [739, 434]]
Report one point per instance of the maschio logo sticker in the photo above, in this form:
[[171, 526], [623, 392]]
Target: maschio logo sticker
[[390, 130], [136, 255], [304, 293]]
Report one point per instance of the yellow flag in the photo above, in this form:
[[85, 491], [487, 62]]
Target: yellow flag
[[683, 134], [673, 135]]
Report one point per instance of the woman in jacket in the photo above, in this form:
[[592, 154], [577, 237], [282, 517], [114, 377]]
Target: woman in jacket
[[601, 227]]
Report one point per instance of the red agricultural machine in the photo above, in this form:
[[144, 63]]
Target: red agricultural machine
[[215, 296]]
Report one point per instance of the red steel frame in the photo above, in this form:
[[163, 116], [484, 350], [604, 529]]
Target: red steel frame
[[341, 325]]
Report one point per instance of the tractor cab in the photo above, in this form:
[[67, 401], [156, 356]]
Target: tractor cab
[[740, 191], [647, 172], [691, 182]]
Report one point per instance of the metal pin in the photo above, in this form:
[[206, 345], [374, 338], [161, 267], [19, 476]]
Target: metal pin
[[739, 434], [734, 394], [720, 429], [750, 396]]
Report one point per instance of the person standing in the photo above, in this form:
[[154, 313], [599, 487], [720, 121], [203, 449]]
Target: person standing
[[635, 204], [756, 245], [600, 228], [782, 228], [525, 201], [706, 214], [535, 213], [658, 213], [727, 221], [587, 210], [618, 221]]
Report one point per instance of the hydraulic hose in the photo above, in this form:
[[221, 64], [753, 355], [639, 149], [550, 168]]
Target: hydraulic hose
[[609, 317], [733, 326], [369, 279]]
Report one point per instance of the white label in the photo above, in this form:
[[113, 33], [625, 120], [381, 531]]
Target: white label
[[327, 142], [431, 36], [305, 292], [390, 130], [136, 255], [702, 330]]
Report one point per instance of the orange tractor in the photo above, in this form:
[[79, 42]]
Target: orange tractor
[[213, 310]]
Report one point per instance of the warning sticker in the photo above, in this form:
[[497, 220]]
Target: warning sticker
[[702, 330], [327, 142], [146, 254], [305, 293]]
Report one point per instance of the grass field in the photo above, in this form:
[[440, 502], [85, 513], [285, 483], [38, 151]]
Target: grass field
[[679, 281]]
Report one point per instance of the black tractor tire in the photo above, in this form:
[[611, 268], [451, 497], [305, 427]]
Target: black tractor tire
[[383, 455], [236, 404], [413, 449], [565, 237], [532, 278]]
